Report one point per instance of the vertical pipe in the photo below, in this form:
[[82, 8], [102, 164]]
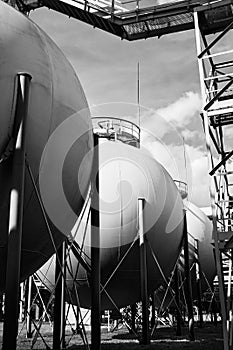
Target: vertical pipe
[[152, 322], [59, 304], [112, 9], [229, 299], [177, 296], [188, 281], [198, 282], [109, 326], [95, 253], [37, 313], [21, 302], [10, 329], [143, 274], [1, 308], [29, 304], [214, 311], [133, 317]]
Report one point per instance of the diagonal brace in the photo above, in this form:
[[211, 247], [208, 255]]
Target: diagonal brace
[[223, 161]]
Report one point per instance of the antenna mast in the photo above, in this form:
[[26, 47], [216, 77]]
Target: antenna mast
[[138, 95]]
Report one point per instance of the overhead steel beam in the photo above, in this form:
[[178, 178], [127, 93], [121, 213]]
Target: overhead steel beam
[[166, 18]]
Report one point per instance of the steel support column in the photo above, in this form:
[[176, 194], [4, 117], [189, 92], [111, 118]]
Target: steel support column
[[15, 225], [21, 308], [198, 284], [59, 304], [29, 304], [1, 308], [177, 296], [152, 321], [143, 274], [188, 281], [95, 252], [133, 317]]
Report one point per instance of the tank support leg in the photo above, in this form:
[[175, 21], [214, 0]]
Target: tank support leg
[[188, 281], [198, 282], [133, 317], [10, 329], [152, 322], [143, 274], [1, 308], [178, 311], [29, 304], [21, 310], [95, 253], [59, 304]]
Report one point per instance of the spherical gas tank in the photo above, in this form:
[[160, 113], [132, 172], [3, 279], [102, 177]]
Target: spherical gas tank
[[58, 138], [199, 229], [200, 236], [127, 174]]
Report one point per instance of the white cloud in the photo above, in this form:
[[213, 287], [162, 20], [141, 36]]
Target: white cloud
[[167, 120], [184, 162], [182, 111], [190, 135], [190, 166]]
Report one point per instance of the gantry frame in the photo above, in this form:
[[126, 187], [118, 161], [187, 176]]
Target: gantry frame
[[216, 79], [137, 19]]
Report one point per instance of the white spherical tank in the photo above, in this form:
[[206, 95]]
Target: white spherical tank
[[126, 174], [200, 230], [56, 102]]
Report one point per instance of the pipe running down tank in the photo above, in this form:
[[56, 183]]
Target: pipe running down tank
[[56, 103]]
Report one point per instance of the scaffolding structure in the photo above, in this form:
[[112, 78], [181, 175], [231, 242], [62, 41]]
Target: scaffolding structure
[[216, 77]]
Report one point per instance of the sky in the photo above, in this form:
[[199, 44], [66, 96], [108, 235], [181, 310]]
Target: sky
[[169, 91]]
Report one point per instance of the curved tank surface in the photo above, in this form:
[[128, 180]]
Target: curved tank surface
[[55, 95], [200, 229], [126, 174]]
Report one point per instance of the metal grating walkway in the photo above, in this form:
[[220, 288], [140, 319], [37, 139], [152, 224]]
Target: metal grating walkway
[[137, 19]]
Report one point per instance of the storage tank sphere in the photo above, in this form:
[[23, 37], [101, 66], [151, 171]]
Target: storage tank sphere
[[57, 110], [200, 230], [127, 173]]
